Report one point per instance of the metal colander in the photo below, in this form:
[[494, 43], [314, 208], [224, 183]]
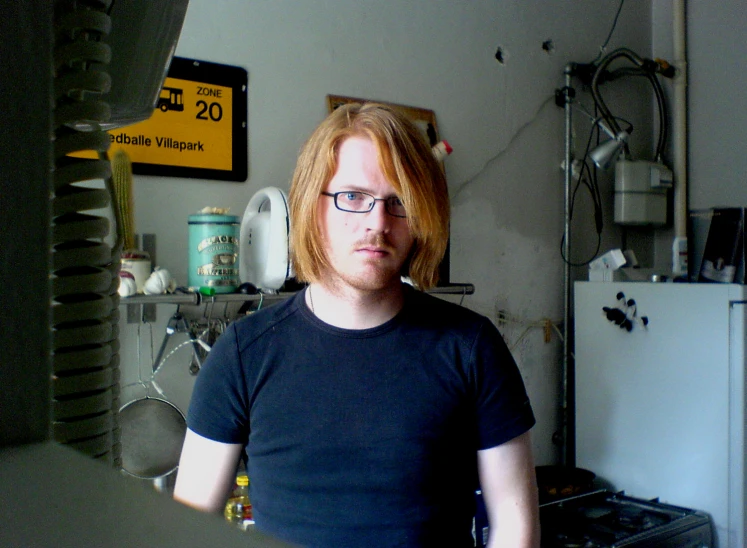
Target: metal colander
[[152, 434]]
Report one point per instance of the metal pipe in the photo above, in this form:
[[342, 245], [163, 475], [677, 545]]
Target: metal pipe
[[679, 138], [568, 417]]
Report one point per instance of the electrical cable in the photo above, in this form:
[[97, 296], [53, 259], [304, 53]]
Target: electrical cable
[[591, 183], [191, 341], [658, 94], [514, 138], [663, 117], [648, 68], [641, 67], [603, 47], [546, 324]]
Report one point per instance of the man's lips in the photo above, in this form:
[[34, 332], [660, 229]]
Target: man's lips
[[373, 250], [377, 244]]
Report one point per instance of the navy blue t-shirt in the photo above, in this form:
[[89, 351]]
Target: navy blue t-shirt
[[362, 437]]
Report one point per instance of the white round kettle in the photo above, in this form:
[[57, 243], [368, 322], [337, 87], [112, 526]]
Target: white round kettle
[[263, 242]]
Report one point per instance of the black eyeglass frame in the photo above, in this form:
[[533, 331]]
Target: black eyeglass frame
[[386, 201]]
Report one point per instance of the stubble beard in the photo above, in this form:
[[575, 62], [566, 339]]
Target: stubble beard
[[374, 277]]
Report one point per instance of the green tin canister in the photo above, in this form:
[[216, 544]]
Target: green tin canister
[[214, 252]]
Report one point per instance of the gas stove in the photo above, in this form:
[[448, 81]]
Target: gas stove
[[611, 520]]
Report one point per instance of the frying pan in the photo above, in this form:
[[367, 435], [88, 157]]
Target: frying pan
[[557, 482], [152, 434]]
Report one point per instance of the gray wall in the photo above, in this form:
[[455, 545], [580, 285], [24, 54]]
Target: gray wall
[[717, 116], [504, 175]]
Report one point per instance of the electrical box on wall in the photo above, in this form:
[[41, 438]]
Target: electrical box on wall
[[641, 192]]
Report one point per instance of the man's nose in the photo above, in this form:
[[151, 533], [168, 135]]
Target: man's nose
[[378, 217]]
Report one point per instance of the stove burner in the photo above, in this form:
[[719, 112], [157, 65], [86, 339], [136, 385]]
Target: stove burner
[[570, 542], [640, 519], [605, 519]]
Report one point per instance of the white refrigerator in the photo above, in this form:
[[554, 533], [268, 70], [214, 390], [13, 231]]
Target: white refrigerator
[[660, 408]]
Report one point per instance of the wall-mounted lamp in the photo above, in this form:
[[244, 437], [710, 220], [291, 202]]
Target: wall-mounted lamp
[[607, 152], [640, 186]]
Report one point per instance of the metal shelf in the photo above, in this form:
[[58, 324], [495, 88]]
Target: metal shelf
[[140, 308], [453, 289], [199, 298]]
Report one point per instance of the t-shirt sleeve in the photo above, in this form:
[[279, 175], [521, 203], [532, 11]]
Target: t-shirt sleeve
[[218, 409], [502, 405]]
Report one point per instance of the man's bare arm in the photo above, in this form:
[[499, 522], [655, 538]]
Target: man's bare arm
[[207, 470], [509, 488]]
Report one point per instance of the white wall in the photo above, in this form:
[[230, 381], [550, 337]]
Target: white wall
[[504, 175]]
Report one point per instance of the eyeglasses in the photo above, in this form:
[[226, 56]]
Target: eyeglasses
[[354, 201]]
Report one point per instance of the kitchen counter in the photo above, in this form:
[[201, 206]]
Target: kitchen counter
[[54, 496]]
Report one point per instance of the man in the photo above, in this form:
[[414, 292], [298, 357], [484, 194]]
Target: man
[[367, 409]]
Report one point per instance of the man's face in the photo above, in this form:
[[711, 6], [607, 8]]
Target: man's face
[[366, 251]]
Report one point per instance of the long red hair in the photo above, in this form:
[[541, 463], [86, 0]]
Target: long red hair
[[407, 162]]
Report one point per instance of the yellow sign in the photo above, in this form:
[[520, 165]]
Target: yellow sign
[[198, 127], [190, 127]]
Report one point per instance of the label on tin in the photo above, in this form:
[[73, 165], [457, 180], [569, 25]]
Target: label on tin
[[225, 239], [212, 270], [225, 259], [221, 283]]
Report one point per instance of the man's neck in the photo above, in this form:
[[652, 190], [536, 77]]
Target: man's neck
[[354, 309]]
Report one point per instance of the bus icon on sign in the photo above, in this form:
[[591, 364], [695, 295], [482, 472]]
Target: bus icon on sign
[[171, 99]]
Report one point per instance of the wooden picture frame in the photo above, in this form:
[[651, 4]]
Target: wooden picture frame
[[423, 118]]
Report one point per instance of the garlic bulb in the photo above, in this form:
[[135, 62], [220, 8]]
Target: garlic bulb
[[160, 281], [127, 286]]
